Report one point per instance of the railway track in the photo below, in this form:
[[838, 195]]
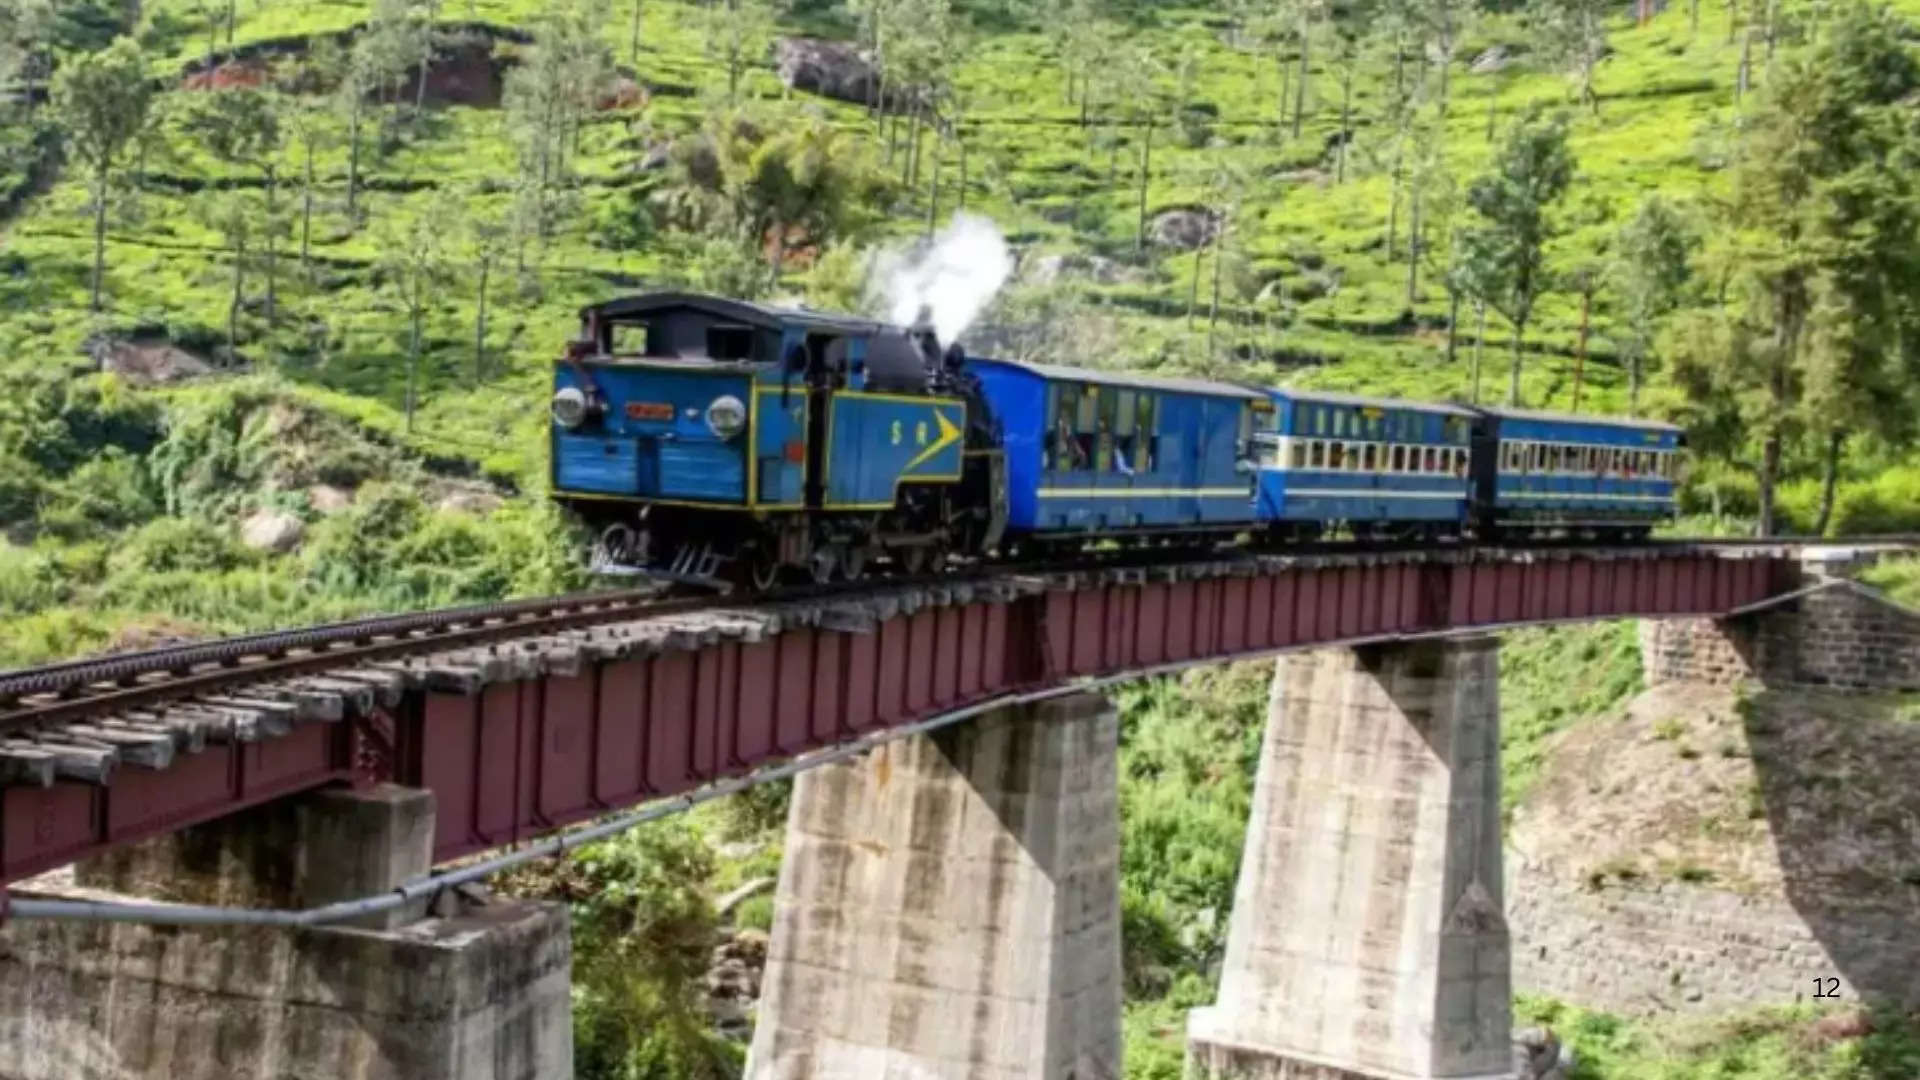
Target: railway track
[[337, 666]]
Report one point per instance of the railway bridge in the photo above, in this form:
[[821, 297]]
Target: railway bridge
[[273, 844]]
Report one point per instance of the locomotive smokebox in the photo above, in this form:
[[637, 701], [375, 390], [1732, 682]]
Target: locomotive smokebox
[[928, 340]]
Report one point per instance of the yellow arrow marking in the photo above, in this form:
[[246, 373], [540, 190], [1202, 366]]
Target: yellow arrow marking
[[949, 434]]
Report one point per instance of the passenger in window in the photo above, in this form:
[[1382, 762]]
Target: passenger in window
[[1102, 447], [1067, 452]]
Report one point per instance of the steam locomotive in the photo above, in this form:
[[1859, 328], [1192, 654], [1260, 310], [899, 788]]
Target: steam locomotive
[[712, 439]]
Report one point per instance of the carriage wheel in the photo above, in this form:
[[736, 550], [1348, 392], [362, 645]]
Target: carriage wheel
[[763, 571], [854, 563]]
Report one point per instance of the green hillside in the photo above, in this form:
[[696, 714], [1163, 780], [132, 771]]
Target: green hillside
[[553, 166]]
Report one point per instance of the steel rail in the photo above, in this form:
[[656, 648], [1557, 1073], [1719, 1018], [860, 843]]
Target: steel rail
[[74, 689]]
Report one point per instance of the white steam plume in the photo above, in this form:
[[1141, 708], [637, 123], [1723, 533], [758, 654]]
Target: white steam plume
[[953, 278]]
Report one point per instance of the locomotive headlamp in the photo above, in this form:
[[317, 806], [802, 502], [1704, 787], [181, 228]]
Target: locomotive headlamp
[[726, 416], [569, 407]]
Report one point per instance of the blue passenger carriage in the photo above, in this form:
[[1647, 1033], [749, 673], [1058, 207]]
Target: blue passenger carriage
[[1577, 474], [1094, 453], [1380, 466]]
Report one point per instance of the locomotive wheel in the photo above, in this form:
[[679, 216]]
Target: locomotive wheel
[[823, 564], [615, 546], [854, 563], [914, 559], [763, 571]]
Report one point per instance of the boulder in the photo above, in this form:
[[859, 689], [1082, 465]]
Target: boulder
[[327, 499], [1047, 269], [272, 530], [477, 503], [148, 363], [1495, 59], [833, 69], [1185, 228]]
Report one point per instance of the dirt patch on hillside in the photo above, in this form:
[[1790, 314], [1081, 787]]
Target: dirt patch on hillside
[[1805, 794]]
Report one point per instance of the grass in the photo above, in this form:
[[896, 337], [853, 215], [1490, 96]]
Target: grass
[[1553, 678]]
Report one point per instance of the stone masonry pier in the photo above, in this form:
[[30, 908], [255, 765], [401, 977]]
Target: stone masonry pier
[[948, 908], [1369, 938], [481, 994]]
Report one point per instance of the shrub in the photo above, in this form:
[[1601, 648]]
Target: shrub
[[172, 544]]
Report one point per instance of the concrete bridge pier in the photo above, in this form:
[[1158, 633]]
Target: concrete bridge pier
[[480, 994], [949, 908], [1369, 937]]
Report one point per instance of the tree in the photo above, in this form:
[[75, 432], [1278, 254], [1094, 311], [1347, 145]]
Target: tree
[[1573, 34], [241, 126], [359, 78], [1650, 268], [486, 238], [1502, 249], [102, 100], [547, 98], [1306, 16], [233, 214], [738, 33], [413, 263], [1819, 249]]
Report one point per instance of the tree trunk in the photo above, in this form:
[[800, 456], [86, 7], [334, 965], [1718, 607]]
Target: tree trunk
[[962, 138], [1393, 197], [1580, 348], [1300, 84], [273, 247], [1213, 308], [779, 260], [413, 356], [1414, 243], [230, 7], [1829, 476], [1346, 123], [1193, 286], [306, 217], [1733, 18], [233, 306], [633, 40], [1493, 99], [99, 232], [353, 164], [1146, 168], [1769, 470], [1513, 372], [1286, 85], [426, 65], [1479, 341], [1633, 381], [1693, 19], [1453, 326], [933, 188], [480, 322], [1740, 80]]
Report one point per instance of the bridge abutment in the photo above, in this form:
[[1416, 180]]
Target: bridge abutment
[[1369, 939], [479, 995], [949, 908]]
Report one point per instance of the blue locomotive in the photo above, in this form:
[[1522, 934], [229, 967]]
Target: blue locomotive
[[705, 438]]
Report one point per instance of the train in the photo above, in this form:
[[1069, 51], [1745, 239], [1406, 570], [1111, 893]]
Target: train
[[709, 439]]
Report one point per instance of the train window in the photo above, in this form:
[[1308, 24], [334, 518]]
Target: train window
[[1246, 424], [1125, 413], [1336, 454], [1339, 422], [1317, 454], [1103, 459], [1459, 463], [1068, 452], [627, 339], [730, 342], [1433, 460], [1368, 457], [1399, 459], [1296, 453]]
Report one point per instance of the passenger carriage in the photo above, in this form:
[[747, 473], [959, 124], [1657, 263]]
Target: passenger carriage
[[1380, 466], [1580, 474], [1095, 453]]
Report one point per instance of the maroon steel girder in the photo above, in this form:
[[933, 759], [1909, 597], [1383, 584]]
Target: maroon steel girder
[[527, 755]]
